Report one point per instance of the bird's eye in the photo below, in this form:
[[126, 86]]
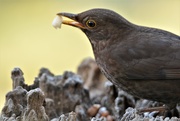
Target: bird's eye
[[91, 23]]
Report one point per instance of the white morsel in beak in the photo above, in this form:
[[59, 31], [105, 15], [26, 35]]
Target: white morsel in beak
[[57, 22]]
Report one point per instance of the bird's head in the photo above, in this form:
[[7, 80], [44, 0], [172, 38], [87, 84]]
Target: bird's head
[[97, 24]]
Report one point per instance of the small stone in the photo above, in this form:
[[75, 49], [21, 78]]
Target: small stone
[[92, 111]]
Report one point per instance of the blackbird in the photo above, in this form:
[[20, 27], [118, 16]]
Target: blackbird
[[142, 61]]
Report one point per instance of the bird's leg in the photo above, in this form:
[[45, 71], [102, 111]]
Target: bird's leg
[[160, 109]]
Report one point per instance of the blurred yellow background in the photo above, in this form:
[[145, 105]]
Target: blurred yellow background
[[28, 40]]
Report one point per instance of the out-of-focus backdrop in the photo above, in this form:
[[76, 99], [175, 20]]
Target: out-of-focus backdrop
[[28, 40]]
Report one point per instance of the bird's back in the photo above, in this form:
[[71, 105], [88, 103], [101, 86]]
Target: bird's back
[[145, 63]]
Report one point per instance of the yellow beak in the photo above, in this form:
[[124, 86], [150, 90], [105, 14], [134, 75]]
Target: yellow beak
[[73, 21]]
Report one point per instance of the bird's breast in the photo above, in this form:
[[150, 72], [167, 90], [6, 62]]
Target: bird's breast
[[111, 68]]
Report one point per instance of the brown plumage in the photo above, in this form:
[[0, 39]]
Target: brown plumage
[[143, 61]]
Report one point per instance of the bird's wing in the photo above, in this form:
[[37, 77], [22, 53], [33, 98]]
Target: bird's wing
[[151, 56], [154, 68]]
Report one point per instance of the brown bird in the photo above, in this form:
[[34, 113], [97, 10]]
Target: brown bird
[[142, 61]]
